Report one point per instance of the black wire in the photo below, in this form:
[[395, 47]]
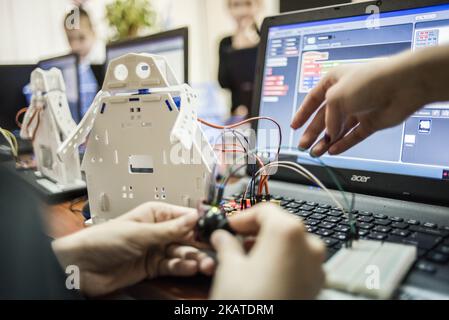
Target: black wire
[[235, 133]]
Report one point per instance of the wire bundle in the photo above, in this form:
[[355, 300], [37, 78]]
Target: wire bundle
[[260, 177], [12, 141]]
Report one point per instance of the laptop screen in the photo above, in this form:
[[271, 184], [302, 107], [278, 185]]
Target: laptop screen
[[299, 55], [170, 47]]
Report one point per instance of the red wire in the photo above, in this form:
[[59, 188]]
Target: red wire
[[18, 114], [264, 179]]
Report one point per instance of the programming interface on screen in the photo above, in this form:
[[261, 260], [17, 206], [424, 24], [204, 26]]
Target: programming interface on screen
[[298, 56]]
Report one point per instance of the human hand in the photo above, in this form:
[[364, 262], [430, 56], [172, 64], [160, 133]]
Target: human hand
[[284, 263], [356, 101], [145, 243]]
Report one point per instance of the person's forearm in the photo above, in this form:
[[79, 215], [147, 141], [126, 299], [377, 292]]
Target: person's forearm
[[66, 249], [435, 67], [429, 71]]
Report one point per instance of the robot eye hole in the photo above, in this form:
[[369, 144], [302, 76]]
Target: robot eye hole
[[143, 70], [121, 72]]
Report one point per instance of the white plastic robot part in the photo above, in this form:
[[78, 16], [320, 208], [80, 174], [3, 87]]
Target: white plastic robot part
[[370, 268], [186, 124], [79, 135]]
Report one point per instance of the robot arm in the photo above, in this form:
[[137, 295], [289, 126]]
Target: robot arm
[[79, 135], [31, 118], [61, 113], [187, 122]]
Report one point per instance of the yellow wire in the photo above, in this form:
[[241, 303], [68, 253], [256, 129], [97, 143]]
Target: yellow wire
[[12, 141]]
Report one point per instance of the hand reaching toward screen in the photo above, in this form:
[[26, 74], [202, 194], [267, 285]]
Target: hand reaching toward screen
[[353, 102], [284, 263], [142, 244]]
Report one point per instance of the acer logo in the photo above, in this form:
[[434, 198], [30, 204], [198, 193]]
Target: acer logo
[[361, 179]]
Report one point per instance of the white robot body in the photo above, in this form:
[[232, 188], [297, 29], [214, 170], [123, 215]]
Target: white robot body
[[48, 122], [144, 141]]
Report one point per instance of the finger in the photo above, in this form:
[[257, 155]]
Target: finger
[[183, 252], [165, 211], [280, 234], [335, 118], [170, 231], [207, 266], [248, 243], [357, 135], [317, 246], [152, 212], [250, 221], [274, 227], [226, 245], [205, 262], [322, 146], [311, 103], [177, 267], [313, 130]]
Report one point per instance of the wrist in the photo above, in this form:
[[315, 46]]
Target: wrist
[[426, 70], [434, 66], [66, 250]]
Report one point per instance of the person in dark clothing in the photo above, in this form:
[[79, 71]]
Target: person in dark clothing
[[238, 54], [28, 266]]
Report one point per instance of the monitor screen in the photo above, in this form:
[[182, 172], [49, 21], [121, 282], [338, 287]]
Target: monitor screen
[[299, 55], [69, 68], [171, 46]]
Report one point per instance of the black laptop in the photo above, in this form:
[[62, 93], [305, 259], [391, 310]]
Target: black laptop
[[400, 176]]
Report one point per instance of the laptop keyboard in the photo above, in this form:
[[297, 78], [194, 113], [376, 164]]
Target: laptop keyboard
[[330, 224]]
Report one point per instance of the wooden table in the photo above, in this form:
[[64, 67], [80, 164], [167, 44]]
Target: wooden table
[[61, 221]]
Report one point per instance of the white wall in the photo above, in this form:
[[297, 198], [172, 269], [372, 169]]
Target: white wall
[[32, 29]]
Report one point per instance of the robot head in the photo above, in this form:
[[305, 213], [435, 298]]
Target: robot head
[[133, 72], [47, 81]]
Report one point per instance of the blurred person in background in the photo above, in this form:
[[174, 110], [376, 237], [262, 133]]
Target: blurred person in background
[[82, 39], [238, 53]]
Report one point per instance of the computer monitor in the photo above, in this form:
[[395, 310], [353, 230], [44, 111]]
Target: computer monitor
[[409, 161], [12, 80], [68, 64], [173, 45], [294, 5]]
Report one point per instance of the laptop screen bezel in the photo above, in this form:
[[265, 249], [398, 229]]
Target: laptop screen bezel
[[181, 32], [402, 187]]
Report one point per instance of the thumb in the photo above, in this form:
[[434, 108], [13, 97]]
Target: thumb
[[226, 245], [172, 230]]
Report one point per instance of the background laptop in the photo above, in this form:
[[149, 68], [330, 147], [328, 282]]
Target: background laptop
[[399, 175]]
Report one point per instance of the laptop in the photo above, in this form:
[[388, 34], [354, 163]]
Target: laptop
[[399, 176]]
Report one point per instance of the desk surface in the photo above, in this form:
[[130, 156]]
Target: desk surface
[[61, 221]]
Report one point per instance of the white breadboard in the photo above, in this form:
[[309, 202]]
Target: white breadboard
[[370, 268]]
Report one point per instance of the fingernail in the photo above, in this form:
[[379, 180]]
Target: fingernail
[[301, 149], [312, 154], [190, 218]]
